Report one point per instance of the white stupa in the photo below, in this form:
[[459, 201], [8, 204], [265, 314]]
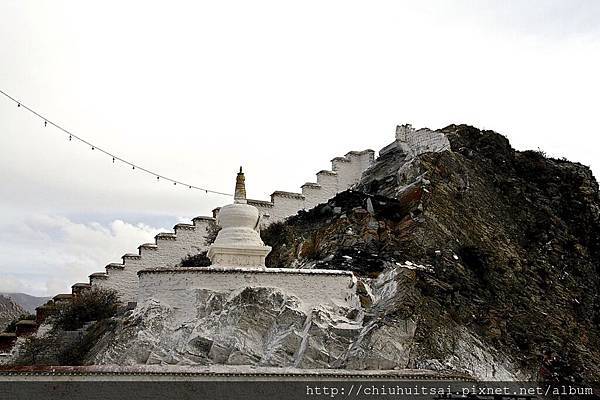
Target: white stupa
[[238, 243]]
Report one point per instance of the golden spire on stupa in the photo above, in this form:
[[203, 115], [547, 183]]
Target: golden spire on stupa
[[240, 188]]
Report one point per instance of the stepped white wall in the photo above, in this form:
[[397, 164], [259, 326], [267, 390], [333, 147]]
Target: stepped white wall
[[345, 172], [167, 251]]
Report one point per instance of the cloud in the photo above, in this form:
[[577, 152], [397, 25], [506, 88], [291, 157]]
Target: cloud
[[46, 254], [552, 19]]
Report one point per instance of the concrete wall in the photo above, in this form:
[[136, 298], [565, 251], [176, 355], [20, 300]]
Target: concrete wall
[[177, 286]]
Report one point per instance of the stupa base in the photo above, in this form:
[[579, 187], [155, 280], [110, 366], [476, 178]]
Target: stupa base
[[249, 257]]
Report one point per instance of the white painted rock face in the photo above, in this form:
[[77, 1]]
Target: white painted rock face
[[253, 326]]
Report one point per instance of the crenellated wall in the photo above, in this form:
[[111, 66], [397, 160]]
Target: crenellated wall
[[167, 251], [345, 172]]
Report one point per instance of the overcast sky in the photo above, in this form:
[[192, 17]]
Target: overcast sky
[[195, 89]]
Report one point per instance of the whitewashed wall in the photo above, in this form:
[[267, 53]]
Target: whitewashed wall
[[345, 172], [415, 142], [167, 251], [285, 204], [177, 287]]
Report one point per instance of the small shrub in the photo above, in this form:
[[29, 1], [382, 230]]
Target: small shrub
[[92, 305], [211, 233], [276, 234], [308, 249], [196, 261]]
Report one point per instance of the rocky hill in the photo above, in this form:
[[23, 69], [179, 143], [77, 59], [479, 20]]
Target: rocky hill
[[9, 310], [26, 301], [480, 260], [499, 252]]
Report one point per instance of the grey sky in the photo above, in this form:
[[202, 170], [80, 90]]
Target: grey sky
[[194, 89]]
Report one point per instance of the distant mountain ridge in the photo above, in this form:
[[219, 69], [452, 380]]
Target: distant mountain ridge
[[26, 301]]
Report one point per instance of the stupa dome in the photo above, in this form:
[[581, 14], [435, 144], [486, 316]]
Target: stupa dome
[[238, 243]]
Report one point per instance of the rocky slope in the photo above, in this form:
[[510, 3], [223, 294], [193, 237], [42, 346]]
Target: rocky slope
[[266, 328], [9, 310], [477, 260], [26, 301], [503, 249]]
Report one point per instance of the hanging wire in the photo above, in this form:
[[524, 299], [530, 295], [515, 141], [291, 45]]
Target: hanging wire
[[113, 156]]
